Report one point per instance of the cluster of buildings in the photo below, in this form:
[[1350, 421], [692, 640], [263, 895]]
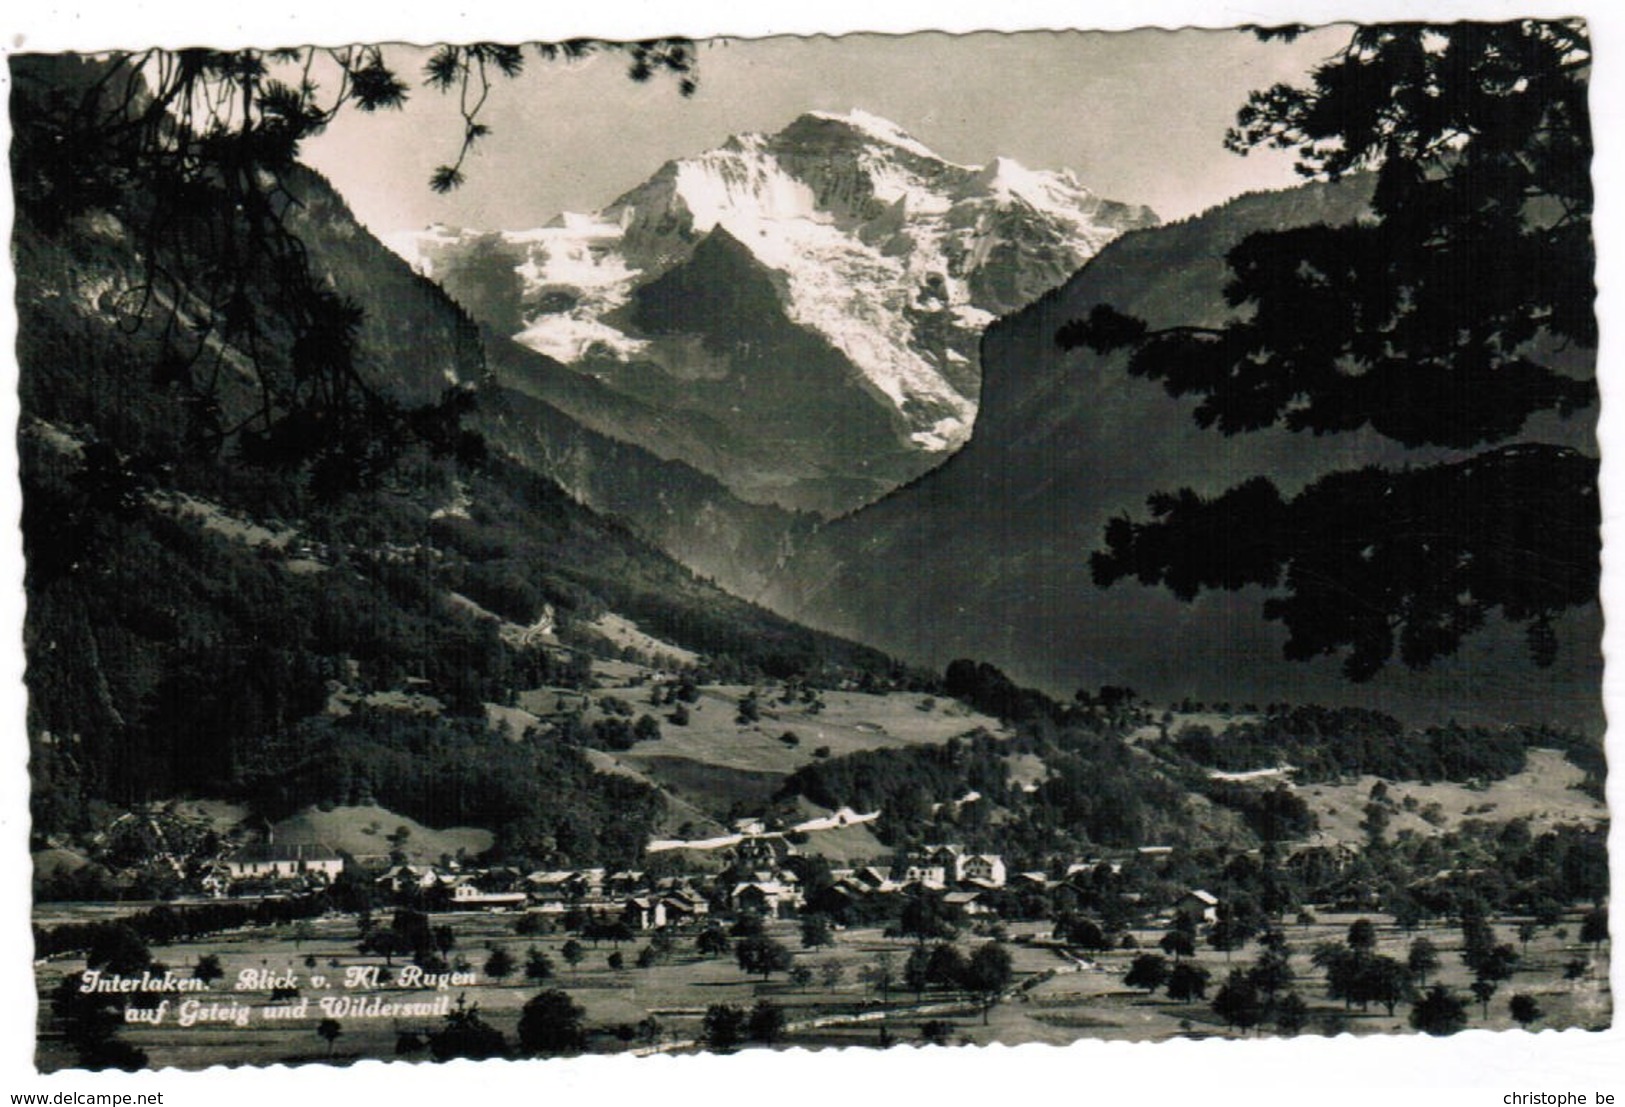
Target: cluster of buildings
[[640, 899], [757, 882]]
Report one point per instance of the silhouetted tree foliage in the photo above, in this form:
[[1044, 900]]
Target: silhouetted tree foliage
[[1324, 743], [724, 1027], [464, 1034], [766, 1023], [1188, 981], [1148, 971], [196, 151], [541, 796], [550, 1024], [1439, 1012], [1441, 321]]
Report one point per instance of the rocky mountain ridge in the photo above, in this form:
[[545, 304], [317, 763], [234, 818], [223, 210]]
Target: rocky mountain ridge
[[872, 266]]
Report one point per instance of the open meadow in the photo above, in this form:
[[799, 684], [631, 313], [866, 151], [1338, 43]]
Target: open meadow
[[852, 992]]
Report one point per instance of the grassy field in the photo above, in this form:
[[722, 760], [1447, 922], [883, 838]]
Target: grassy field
[[1544, 792], [1057, 997], [362, 831], [716, 761]]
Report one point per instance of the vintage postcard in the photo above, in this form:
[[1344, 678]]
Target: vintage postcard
[[711, 543]]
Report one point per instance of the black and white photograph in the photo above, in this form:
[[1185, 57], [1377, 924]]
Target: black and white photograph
[[718, 543]]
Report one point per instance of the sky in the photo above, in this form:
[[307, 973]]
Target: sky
[[1140, 116]]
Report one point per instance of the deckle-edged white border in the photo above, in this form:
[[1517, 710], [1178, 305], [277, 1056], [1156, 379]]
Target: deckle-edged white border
[[1476, 1067]]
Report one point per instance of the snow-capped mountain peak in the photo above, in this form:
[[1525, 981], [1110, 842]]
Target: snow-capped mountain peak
[[881, 130], [886, 252]]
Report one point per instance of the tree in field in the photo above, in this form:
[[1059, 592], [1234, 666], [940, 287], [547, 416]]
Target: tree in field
[[208, 968], [464, 1034], [1238, 1001], [500, 965], [1422, 959], [1230, 931], [1438, 1012], [1525, 1009], [1178, 944], [1384, 980], [830, 974], [945, 967], [538, 965], [329, 1030], [551, 1024], [926, 917], [766, 1023], [1291, 1014], [1526, 934], [762, 955], [1148, 971], [1459, 311], [917, 972], [881, 974], [384, 942], [117, 949], [1272, 973], [89, 1022], [1084, 933], [724, 1027], [816, 932], [748, 925], [1496, 963], [1187, 982], [987, 975], [712, 941]]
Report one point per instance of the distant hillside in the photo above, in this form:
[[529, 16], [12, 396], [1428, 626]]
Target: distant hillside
[[679, 508], [994, 544], [185, 607]]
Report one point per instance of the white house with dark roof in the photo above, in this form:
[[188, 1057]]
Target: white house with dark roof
[[1198, 904], [270, 861]]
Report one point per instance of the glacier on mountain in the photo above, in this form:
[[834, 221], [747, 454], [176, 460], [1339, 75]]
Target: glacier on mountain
[[893, 255]]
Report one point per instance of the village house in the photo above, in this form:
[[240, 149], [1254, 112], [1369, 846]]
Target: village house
[[467, 896], [986, 869], [401, 878], [764, 897], [559, 886], [644, 913], [1030, 882], [967, 903], [268, 861], [925, 874], [958, 866], [1199, 905], [683, 906], [872, 879], [623, 883]]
